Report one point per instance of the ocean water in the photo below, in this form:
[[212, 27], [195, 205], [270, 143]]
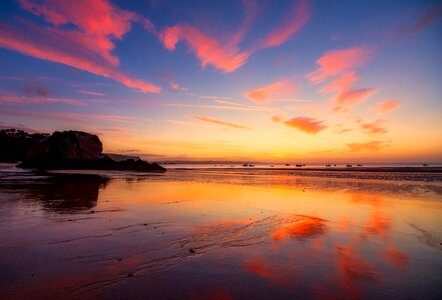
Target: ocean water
[[219, 234], [286, 166]]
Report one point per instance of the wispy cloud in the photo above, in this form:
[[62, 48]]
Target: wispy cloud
[[79, 118], [345, 99], [343, 83], [304, 124], [21, 99], [218, 107], [387, 106], [176, 87], [223, 53], [334, 62], [88, 47], [91, 93], [284, 89], [214, 97], [429, 17], [219, 122], [209, 50], [292, 22], [374, 128], [370, 146]]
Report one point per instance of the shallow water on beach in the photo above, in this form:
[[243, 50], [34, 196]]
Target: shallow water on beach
[[218, 235]]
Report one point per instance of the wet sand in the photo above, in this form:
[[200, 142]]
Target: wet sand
[[218, 234]]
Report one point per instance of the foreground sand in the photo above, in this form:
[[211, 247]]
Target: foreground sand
[[214, 234]]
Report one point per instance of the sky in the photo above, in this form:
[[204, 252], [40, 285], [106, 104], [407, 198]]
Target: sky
[[274, 81]]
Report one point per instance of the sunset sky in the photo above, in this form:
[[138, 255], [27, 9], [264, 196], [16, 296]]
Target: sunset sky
[[275, 81]]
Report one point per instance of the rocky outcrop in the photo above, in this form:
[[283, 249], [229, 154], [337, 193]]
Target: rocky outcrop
[[66, 145], [15, 144], [78, 150]]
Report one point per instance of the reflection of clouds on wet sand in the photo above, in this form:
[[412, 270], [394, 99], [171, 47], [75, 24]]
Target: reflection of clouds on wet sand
[[277, 275], [354, 268], [378, 224], [396, 257], [308, 228], [216, 238]]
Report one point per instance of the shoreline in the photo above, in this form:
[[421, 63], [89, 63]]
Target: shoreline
[[333, 169]]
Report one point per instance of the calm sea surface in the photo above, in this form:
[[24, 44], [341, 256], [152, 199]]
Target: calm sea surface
[[217, 234]]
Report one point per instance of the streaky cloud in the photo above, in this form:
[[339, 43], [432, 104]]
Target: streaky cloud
[[88, 47], [374, 128], [295, 19], [428, 18], [279, 90], [370, 146], [345, 99], [343, 83], [92, 93], [304, 124], [210, 51], [334, 62], [223, 53], [219, 122], [387, 106]]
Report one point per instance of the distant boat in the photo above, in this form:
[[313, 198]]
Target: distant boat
[[245, 165], [251, 165], [287, 165], [359, 165], [334, 165], [425, 165], [271, 166], [299, 165], [349, 166], [328, 165]]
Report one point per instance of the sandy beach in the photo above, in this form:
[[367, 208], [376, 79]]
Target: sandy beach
[[211, 234]]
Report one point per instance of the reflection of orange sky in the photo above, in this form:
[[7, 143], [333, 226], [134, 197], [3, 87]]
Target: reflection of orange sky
[[310, 227], [353, 270], [378, 224], [369, 199], [262, 268], [258, 267], [396, 258]]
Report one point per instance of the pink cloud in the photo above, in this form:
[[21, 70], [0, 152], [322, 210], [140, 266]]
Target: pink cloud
[[87, 47], [224, 53], [372, 145], [283, 89], [374, 128], [429, 17], [176, 87], [304, 124], [210, 51], [219, 122], [334, 62], [38, 100], [79, 118], [345, 99], [295, 19], [343, 83], [387, 106], [91, 93]]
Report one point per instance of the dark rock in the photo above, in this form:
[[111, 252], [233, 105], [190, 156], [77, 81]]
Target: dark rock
[[15, 144], [192, 251], [81, 151], [75, 145], [130, 275]]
